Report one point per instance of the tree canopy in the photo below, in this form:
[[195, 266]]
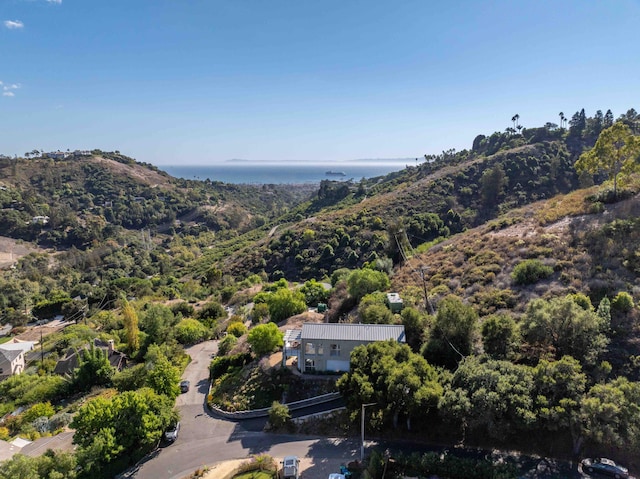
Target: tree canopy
[[107, 428], [388, 373], [265, 338], [615, 153]]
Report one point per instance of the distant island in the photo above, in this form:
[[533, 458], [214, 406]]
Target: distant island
[[335, 173]]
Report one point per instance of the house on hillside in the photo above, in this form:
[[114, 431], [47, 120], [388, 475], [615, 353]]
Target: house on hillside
[[11, 362], [71, 361], [328, 346]]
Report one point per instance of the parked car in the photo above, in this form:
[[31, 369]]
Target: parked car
[[290, 467], [336, 476], [184, 386], [171, 434], [605, 467]]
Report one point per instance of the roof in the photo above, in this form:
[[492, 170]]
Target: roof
[[353, 332], [292, 336], [10, 355], [18, 346], [394, 298]]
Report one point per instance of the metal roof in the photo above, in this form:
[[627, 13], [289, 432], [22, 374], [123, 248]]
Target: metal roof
[[353, 332]]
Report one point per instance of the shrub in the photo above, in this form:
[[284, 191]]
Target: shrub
[[236, 329], [227, 344], [260, 312], [183, 308], [279, 416], [530, 271], [191, 331], [622, 303], [221, 364], [43, 409]]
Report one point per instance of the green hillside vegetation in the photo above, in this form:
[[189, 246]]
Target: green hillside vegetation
[[517, 262]]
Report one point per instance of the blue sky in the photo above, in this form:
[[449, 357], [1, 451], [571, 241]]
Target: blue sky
[[204, 81]]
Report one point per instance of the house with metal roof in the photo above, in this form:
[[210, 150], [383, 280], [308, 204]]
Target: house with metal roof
[[328, 346]]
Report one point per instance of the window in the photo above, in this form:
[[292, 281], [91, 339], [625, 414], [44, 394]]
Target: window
[[320, 350], [335, 350], [309, 348], [1, 370], [309, 366]]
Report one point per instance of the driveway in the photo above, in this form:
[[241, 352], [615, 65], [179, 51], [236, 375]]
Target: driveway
[[197, 373]]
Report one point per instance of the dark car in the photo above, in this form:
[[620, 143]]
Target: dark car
[[171, 434], [605, 467], [184, 386]]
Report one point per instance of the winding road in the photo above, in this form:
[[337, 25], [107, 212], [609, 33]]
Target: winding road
[[205, 439]]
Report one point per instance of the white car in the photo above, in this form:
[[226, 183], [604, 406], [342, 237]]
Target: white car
[[291, 467], [336, 476]]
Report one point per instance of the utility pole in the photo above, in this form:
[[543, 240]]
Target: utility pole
[[362, 429], [426, 296]]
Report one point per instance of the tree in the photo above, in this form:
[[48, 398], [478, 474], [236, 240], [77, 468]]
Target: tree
[[453, 333], [50, 465], [615, 153], [493, 183], [491, 395], [210, 314], [400, 382], [415, 327], [365, 281], [285, 303], [158, 323], [130, 318], [610, 414], [560, 327], [314, 293], [500, 336], [608, 119], [163, 377], [191, 331], [559, 389], [94, 369], [265, 338], [108, 428], [279, 416]]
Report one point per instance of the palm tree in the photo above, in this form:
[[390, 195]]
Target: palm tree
[[562, 119]]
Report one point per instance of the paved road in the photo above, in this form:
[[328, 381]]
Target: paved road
[[205, 439]]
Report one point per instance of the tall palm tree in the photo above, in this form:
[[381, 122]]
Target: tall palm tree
[[562, 119]]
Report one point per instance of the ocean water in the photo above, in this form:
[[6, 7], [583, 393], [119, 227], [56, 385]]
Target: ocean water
[[249, 172]]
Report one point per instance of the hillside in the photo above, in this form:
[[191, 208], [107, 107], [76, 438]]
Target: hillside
[[82, 199], [350, 225]]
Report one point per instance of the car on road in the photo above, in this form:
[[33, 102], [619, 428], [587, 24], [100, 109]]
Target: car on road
[[336, 476], [184, 386], [171, 434], [604, 467], [291, 467]]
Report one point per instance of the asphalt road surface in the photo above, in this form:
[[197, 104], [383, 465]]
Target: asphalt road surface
[[205, 439]]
